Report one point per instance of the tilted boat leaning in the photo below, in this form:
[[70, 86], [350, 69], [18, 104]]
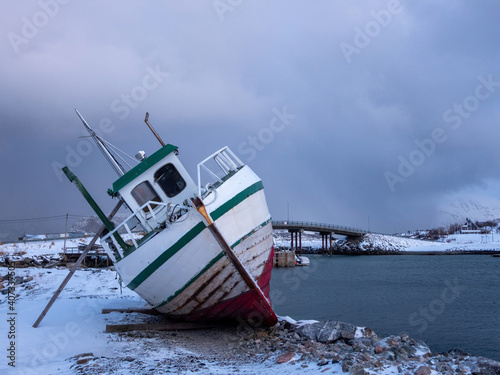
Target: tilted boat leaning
[[207, 248]]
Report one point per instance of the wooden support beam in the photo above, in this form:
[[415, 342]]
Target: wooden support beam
[[75, 267], [133, 310], [156, 327]]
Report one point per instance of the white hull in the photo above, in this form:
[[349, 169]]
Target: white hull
[[208, 247], [183, 270]]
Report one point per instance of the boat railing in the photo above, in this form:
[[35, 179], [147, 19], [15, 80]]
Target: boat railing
[[135, 219], [218, 166]]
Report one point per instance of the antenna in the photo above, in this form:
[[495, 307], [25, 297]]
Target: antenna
[[100, 144]]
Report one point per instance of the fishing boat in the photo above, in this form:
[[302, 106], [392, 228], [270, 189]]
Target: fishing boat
[[206, 248]]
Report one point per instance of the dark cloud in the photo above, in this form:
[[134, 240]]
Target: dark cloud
[[212, 76]]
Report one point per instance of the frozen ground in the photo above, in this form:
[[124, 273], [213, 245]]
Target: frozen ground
[[456, 242], [72, 338], [75, 327]]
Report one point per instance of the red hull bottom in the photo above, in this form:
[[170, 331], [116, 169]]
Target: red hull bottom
[[247, 307]]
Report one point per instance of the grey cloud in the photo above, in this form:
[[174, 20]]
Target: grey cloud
[[223, 79]]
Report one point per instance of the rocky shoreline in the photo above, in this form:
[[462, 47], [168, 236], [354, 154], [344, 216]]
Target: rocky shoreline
[[360, 351], [321, 347], [355, 251]]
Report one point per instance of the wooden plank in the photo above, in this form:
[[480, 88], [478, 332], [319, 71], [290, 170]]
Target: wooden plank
[[156, 327], [75, 267], [133, 310]]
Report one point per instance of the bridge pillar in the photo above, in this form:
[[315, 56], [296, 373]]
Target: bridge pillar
[[326, 242], [297, 234]]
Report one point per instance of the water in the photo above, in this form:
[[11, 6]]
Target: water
[[448, 301]]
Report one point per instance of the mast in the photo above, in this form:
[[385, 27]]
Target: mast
[[100, 144]]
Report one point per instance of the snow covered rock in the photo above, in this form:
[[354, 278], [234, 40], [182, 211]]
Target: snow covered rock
[[327, 332]]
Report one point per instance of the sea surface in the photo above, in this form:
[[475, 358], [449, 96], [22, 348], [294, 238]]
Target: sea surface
[[448, 301]]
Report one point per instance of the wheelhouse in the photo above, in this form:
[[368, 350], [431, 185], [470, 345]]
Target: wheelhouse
[[158, 189]]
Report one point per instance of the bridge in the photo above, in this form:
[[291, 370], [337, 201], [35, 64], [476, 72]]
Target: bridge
[[325, 230]]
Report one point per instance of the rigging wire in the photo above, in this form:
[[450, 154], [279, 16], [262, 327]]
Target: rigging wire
[[116, 149], [39, 219]]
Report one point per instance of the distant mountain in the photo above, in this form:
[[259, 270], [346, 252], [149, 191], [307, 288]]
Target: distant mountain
[[476, 208], [92, 224]]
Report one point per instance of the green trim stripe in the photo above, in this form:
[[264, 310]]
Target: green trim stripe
[[195, 231], [237, 199], [209, 265], [250, 233], [165, 256], [196, 277], [142, 167]]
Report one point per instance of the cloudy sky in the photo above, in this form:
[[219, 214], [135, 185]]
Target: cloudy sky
[[359, 113]]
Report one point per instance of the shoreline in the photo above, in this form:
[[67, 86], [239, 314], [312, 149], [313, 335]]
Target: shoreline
[[372, 252], [52, 260], [73, 338]]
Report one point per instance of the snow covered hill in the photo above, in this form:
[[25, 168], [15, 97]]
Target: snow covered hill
[[476, 208], [373, 243]]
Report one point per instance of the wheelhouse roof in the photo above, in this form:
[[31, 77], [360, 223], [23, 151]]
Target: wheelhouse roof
[[142, 167]]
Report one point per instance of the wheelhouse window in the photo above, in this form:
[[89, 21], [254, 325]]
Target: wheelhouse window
[[144, 193], [170, 180]]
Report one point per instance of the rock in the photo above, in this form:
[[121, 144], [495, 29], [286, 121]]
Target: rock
[[443, 367], [323, 362], [389, 355], [488, 366], [328, 332], [473, 367], [383, 343], [83, 355], [83, 361], [458, 352], [423, 370], [365, 357], [357, 370], [285, 357], [378, 349], [401, 354], [347, 364]]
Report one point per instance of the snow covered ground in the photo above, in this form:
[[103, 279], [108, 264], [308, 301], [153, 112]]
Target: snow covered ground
[[75, 327], [457, 242], [72, 339]]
